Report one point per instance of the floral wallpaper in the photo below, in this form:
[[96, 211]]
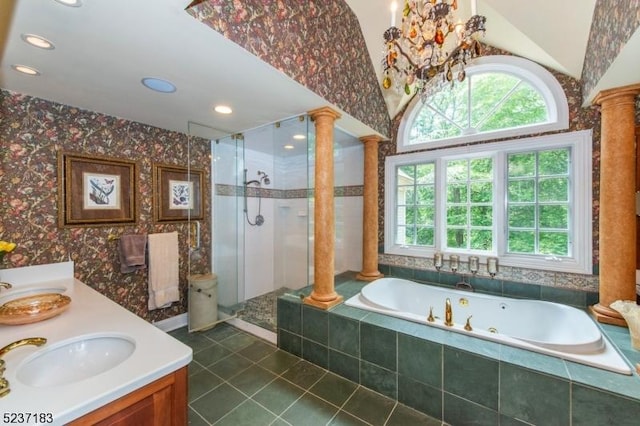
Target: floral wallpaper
[[579, 119], [614, 21], [317, 43], [32, 131]]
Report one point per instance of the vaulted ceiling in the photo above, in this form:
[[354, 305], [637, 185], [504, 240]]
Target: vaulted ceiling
[[104, 48]]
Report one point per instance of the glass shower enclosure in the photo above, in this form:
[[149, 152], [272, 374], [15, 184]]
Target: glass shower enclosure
[[261, 220]]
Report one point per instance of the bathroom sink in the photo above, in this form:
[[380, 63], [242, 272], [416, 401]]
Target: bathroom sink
[[74, 360]]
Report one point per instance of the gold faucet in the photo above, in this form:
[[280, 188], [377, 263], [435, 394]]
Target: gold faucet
[[448, 313], [4, 383], [36, 341]]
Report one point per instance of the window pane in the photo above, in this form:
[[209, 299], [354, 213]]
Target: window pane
[[425, 216], [481, 239], [406, 172], [429, 125], [481, 192], [426, 194], [554, 162], [425, 173], [409, 215], [481, 169], [457, 193], [553, 189], [456, 238], [524, 106], [452, 103], [522, 242], [522, 165], [425, 236], [457, 170], [487, 90], [405, 195], [522, 216], [481, 215], [556, 243], [554, 217], [457, 215], [522, 190], [401, 235]]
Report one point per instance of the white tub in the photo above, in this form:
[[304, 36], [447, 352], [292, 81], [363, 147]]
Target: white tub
[[540, 326]]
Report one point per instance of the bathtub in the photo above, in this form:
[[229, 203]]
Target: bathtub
[[544, 327]]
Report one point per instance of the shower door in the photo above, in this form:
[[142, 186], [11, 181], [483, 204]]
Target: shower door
[[228, 222]]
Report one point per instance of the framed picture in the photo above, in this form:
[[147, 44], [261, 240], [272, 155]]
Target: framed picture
[[177, 193], [96, 190]]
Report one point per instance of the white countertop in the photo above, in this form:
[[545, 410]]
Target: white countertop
[[156, 353]]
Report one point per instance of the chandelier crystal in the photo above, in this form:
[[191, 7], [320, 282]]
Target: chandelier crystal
[[430, 48]]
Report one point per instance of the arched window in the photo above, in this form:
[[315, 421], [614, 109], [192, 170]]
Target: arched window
[[502, 97]]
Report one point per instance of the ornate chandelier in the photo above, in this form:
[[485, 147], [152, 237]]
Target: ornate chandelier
[[423, 52]]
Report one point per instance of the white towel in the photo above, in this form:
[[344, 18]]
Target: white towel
[[163, 270]]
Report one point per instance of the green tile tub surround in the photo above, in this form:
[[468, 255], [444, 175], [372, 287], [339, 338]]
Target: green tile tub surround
[[378, 346], [472, 377], [534, 397], [524, 379], [315, 324]]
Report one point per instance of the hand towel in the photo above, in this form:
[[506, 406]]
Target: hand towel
[[163, 270], [131, 251]]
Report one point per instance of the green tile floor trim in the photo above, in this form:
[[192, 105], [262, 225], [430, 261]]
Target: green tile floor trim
[[461, 379]]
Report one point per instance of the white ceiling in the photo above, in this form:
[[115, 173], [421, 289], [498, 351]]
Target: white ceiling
[[104, 48]]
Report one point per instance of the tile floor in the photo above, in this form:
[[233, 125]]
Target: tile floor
[[238, 379]]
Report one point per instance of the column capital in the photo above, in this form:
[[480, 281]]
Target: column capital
[[371, 138], [630, 92], [324, 112]]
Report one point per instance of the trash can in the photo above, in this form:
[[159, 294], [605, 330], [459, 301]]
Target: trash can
[[203, 301]]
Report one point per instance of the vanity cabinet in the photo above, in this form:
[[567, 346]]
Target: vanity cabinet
[[163, 402]]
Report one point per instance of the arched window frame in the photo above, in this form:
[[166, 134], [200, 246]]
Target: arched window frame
[[537, 76]]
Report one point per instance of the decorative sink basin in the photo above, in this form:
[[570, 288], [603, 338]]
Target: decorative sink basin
[[74, 360]]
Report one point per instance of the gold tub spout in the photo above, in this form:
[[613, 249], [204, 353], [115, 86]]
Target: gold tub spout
[[448, 313], [37, 341]]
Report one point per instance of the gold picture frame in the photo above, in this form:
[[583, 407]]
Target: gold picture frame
[[95, 190], [177, 193]]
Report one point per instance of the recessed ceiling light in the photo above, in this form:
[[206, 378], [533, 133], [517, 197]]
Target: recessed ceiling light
[[288, 147], [25, 69], [299, 137], [72, 3], [223, 109], [158, 85], [37, 41]]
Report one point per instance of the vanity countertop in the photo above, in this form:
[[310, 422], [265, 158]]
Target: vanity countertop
[[89, 314]]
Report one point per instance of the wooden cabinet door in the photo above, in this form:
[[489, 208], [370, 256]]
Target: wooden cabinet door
[[161, 403]]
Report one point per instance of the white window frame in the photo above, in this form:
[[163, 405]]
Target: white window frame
[[580, 217], [537, 76]]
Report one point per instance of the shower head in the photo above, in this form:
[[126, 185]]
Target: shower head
[[264, 178]]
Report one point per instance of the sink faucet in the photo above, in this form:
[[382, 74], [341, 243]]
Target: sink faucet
[[36, 341], [448, 313], [4, 383]]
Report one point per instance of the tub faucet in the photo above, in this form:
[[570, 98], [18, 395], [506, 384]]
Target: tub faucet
[[448, 313], [5, 285]]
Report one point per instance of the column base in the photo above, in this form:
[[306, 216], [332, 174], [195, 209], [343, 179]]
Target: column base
[[326, 305], [369, 276], [606, 315]]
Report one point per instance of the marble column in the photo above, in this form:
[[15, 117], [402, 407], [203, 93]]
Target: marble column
[[324, 295], [617, 201], [370, 211]]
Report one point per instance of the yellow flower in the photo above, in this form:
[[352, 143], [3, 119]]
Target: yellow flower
[[6, 247]]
